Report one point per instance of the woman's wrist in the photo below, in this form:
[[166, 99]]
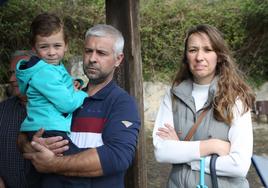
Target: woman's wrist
[[208, 147]]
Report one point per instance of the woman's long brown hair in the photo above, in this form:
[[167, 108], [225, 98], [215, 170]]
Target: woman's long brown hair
[[231, 85]]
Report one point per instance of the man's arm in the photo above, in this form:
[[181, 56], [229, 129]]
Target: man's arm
[[119, 136], [86, 163], [43, 153]]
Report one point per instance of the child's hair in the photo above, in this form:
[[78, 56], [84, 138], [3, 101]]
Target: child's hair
[[45, 24]]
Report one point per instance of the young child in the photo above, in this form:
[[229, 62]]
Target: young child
[[49, 88]]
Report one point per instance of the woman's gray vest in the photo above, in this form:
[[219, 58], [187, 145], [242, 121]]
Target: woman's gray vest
[[185, 115]]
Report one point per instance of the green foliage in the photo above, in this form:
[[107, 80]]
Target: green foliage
[[16, 17], [164, 23], [253, 55], [163, 26]]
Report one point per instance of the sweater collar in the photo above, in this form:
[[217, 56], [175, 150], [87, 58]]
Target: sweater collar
[[102, 93]]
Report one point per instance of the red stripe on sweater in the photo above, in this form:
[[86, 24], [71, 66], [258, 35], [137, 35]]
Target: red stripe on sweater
[[94, 125]]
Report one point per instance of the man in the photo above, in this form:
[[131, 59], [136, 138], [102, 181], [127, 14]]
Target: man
[[12, 112], [107, 123]]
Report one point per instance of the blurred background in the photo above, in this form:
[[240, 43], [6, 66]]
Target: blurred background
[[163, 24]]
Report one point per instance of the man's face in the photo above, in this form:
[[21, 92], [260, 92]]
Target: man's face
[[14, 88], [99, 61]]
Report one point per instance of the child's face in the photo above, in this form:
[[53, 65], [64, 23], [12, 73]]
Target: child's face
[[51, 48]]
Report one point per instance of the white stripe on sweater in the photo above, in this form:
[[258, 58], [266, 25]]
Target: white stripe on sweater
[[86, 139]]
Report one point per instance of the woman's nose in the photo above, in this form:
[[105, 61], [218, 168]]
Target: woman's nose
[[200, 55]]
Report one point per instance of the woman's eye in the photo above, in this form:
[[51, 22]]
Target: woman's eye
[[208, 50], [192, 50]]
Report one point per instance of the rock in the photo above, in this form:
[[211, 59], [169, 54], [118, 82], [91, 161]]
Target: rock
[[262, 118], [153, 93], [75, 68], [262, 92]]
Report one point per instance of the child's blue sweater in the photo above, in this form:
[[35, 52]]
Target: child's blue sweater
[[51, 96]]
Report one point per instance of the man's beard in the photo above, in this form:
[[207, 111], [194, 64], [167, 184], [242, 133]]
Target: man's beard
[[96, 79]]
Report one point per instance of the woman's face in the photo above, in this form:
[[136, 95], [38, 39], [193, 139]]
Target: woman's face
[[201, 57]]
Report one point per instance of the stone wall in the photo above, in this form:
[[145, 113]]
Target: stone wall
[[262, 92], [154, 91]]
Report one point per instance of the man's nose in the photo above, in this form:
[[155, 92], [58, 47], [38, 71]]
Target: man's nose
[[93, 57]]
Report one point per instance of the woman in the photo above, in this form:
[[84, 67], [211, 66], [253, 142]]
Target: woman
[[208, 79]]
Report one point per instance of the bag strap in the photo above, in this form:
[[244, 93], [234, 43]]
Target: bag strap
[[197, 123], [212, 167]]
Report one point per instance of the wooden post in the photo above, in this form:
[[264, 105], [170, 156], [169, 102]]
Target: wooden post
[[124, 15]]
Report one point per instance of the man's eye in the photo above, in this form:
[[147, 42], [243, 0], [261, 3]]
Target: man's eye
[[101, 53]]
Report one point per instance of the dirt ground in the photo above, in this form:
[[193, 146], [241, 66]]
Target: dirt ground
[[157, 173]]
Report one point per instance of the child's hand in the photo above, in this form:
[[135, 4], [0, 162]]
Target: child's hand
[[167, 133], [77, 85]]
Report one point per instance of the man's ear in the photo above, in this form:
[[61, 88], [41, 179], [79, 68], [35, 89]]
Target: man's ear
[[119, 59]]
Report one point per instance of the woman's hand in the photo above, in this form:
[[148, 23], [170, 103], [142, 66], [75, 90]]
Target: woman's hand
[[217, 146], [167, 133]]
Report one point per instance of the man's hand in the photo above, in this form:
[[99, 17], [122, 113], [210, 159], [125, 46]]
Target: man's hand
[[56, 143], [42, 158], [2, 184], [83, 164]]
